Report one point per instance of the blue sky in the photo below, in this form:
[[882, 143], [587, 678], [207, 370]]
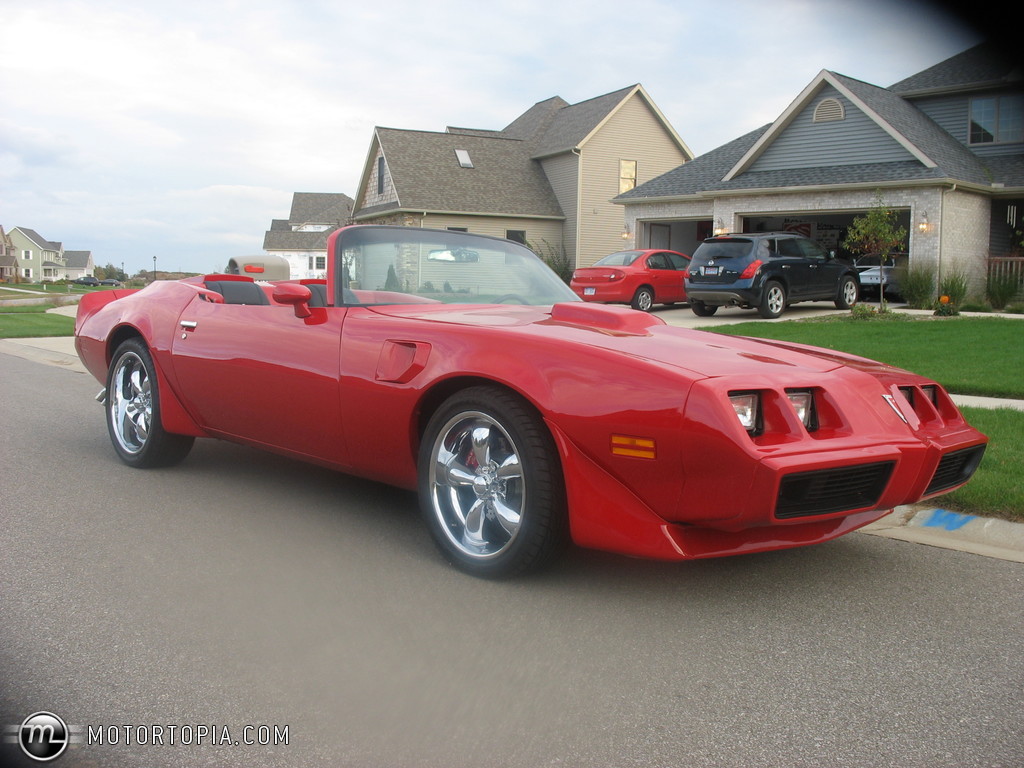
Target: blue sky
[[179, 130]]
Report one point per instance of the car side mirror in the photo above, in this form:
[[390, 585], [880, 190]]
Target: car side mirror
[[296, 295]]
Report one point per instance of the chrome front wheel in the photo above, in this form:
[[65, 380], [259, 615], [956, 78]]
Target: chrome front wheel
[[490, 484]]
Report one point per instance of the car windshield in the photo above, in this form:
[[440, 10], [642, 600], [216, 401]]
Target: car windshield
[[620, 259], [399, 265], [722, 249]]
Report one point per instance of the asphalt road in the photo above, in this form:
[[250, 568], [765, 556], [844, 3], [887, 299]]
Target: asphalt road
[[240, 589]]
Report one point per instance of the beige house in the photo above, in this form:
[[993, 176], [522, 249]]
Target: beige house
[[546, 179]]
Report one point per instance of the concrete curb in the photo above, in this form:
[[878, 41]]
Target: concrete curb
[[935, 527]]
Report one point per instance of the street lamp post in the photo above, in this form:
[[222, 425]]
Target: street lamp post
[[154, 269]]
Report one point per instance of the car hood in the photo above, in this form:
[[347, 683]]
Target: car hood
[[639, 335]]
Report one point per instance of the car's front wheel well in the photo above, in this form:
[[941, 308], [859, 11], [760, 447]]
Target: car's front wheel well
[[441, 392]]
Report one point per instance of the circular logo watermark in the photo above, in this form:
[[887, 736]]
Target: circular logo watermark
[[43, 736]]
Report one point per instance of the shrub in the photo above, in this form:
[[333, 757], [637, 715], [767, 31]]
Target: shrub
[[555, 257], [1000, 290], [954, 285], [917, 285]]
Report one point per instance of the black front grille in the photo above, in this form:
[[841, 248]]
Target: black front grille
[[955, 468], [824, 491]]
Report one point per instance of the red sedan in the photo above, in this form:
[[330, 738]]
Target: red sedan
[[638, 278]]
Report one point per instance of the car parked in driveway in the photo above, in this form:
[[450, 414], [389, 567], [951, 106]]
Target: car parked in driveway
[[873, 276], [767, 271], [87, 280], [640, 278], [111, 282]]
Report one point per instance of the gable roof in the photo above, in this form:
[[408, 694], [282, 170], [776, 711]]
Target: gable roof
[[936, 154], [78, 259], [320, 208], [503, 180], [38, 239], [331, 209]]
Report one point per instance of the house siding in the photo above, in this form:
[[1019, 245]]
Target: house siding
[[563, 173], [538, 231], [632, 133], [855, 140], [953, 114]]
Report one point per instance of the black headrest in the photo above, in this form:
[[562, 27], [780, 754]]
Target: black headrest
[[238, 291]]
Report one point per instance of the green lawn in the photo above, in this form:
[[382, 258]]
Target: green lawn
[[968, 356], [997, 489], [25, 325]]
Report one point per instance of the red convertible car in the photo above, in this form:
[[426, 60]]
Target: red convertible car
[[638, 278], [462, 366]]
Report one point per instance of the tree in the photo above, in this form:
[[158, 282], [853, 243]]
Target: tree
[[878, 234]]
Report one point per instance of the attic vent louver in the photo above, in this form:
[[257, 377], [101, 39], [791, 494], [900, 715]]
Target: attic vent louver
[[828, 111], [463, 158]]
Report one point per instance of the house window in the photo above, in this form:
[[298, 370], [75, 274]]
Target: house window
[[462, 156], [318, 262], [516, 235], [381, 168], [997, 119], [627, 175], [829, 110]]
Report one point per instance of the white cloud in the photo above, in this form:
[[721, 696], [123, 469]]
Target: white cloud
[[181, 130]]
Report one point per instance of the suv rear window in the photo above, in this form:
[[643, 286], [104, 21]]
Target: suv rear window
[[723, 249]]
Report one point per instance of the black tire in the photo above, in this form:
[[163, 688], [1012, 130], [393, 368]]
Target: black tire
[[848, 293], [773, 300], [700, 309], [643, 299], [491, 486], [133, 411]]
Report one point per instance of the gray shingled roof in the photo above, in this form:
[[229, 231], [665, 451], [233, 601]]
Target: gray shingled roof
[[571, 124], [320, 208], [506, 177], [77, 259], [953, 160], [332, 208], [503, 179], [39, 240], [983, 64]]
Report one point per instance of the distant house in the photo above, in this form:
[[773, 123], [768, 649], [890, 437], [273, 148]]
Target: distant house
[[546, 179], [78, 264], [8, 261], [302, 238], [944, 147], [38, 258]]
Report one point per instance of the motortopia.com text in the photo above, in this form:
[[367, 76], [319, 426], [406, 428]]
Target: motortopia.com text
[[170, 735]]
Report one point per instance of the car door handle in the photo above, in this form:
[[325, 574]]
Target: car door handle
[[189, 325]]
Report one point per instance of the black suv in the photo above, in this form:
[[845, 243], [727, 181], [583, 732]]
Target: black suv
[[769, 271]]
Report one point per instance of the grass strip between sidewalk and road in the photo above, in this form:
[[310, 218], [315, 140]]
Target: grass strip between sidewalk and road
[[23, 324], [997, 489]]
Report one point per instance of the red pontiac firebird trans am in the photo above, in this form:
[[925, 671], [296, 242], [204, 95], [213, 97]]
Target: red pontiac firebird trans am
[[461, 366], [638, 278]]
